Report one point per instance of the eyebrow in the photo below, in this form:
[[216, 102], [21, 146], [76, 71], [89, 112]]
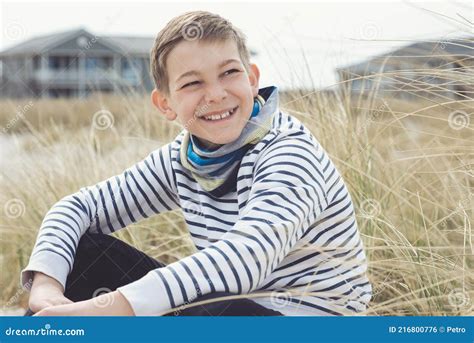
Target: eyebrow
[[193, 72]]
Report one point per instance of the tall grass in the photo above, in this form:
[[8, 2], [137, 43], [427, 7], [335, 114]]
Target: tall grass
[[408, 166]]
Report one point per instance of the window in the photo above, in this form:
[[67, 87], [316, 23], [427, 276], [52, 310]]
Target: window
[[60, 62], [95, 63], [131, 69]]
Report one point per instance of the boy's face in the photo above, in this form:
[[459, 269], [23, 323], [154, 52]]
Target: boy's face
[[207, 78]]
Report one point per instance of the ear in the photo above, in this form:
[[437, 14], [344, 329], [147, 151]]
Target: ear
[[160, 101], [254, 77]]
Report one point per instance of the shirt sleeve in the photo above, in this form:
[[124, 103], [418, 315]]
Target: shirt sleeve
[[140, 191], [286, 196]]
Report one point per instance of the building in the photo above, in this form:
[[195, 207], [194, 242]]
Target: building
[[432, 69], [74, 64]]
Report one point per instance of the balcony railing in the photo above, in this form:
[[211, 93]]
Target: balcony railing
[[77, 77]]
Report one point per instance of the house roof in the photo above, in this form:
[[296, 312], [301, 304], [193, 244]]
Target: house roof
[[454, 47], [134, 45], [130, 44], [38, 43], [124, 44]]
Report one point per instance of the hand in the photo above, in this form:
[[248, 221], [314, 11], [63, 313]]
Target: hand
[[108, 304], [46, 292]]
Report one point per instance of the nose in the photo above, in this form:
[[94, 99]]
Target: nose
[[215, 93]]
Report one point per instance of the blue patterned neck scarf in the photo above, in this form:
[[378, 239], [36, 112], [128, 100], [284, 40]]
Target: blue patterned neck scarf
[[216, 169]]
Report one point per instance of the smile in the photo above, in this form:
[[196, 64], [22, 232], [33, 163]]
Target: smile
[[221, 116]]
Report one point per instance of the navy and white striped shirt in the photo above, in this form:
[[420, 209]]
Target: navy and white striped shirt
[[287, 229]]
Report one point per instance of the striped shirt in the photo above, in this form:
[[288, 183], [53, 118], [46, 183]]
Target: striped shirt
[[286, 231]]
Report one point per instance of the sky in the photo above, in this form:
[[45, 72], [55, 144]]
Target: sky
[[298, 43]]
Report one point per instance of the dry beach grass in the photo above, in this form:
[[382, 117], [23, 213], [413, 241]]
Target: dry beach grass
[[408, 165]]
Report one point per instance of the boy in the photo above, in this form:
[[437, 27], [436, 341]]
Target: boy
[[275, 226]]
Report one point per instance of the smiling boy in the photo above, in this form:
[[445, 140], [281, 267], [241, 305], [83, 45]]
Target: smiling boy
[[192, 99], [267, 210]]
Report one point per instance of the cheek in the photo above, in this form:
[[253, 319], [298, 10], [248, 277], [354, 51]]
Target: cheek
[[249, 99], [186, 105], [244, 92]]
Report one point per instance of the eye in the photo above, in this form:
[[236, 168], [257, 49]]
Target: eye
[[231, 71], [191, 84]]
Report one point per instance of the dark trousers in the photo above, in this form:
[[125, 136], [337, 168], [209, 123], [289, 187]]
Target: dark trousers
[[103, 263]]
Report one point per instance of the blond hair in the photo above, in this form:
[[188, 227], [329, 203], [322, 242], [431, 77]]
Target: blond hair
[[191, 26]]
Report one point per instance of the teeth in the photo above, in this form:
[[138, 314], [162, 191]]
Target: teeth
[[218, 116]]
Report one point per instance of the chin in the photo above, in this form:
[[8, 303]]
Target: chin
[[229, 139]]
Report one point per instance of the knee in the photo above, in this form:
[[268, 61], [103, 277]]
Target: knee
[[88, 252], [90, 242]]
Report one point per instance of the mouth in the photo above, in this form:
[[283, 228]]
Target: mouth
[[219, 118]]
